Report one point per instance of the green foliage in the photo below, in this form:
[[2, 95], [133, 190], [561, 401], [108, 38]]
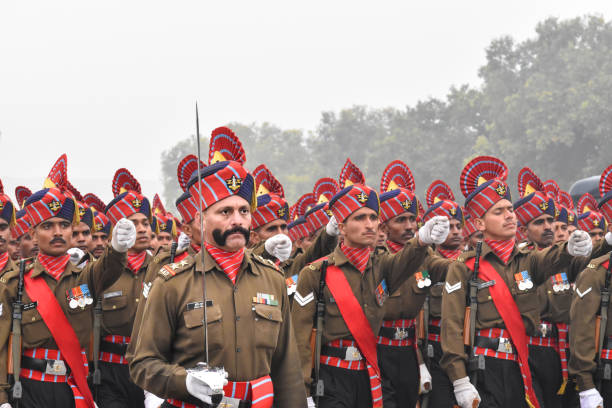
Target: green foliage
[[543, 103]]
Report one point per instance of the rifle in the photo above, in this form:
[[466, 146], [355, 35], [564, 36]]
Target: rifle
[[475, 362], [317, 387], [173, 248], [15, 339], [97, 376], [604, 370]]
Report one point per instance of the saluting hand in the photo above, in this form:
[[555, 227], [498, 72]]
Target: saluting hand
[[465, 393], [588, 399], [124, 235], [435, 230], [183, 241], [332, 227], [579, 244]]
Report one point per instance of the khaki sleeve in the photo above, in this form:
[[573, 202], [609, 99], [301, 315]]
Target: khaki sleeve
[[583, 316], [400, 266], [549, 261], [323, 245], [302, 314], [6, 301], [104, 271], [437, 266], [453, 308], [285, 373], [578, 263], [150, 368]]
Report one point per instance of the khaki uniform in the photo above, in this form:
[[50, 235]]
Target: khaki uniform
[[10, 266], [395, 269], [539, 264], [584, 311], [98, 275], [247, 338]]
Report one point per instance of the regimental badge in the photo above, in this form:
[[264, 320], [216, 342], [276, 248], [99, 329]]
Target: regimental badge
[[570, 217], [361, 197], [543, 206], [560, 282], [501, 190], [234, 183], [55, 206], [596, 223], [382, 293], [136, 203], [79, 296], [453, 211], [162, 226], [281, 212], [423, 280], [81, 211], [406, 204], [557, 213], [265, 299], [329, 213], [523, 280]]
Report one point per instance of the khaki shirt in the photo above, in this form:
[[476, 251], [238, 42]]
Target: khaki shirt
[[98, 275], [408, 299], [120, 301], [583, 316], [10, 266], [249, 339], [539, 264], [394, 269]]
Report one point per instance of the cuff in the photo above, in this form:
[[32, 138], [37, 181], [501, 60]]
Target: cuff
[[456, 371], [585, 381]]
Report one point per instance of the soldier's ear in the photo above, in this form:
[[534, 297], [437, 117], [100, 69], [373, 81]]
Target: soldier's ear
[[522, 229], [254, 238], [480, 224], [341, 227]]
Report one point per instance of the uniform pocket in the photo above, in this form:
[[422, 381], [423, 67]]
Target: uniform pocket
[[194, 322], [267, 325], [114, 314], [33, 327], [487, 312]]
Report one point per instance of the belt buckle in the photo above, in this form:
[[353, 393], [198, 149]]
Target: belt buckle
[[228, 402], [545, 329], [400, 333], [505, 346], [56, 367], [352, 354]]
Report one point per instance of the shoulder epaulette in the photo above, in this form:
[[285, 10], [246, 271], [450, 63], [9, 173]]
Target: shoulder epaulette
[[466, 255], [170, 270], [161, 256], [597, 262], [265, 262]]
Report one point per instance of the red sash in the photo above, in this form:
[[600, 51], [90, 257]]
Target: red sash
[[509, 312], [62, 332], [358, 325]]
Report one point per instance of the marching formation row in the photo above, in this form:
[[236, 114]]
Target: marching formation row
[[350, 297]]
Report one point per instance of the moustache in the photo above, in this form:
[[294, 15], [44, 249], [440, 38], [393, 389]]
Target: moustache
[[221, 237], [57, 240]]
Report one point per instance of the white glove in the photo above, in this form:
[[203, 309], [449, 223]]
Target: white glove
[[279, 246], [200, 388], [588, 399], [579, 244], [425, 379], [309, 401], [75, 255], [608, 237], [151, 400], [332, 227], [435, 230], [183, 241], [124, 235], [465, 392], [5, 405]]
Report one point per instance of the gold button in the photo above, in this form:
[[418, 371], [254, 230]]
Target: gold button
[[489, 297], [114, 306], [33, 318], [137, 300]]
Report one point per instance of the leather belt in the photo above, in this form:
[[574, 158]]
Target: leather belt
[[350, 353], [499, 344], [397, 333], [115, 348], [434, 329], [52, 367]]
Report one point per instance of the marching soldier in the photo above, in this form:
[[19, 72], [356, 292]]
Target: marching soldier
[[7, 222], [591, 337], [249, 325], [470, 233], [591, 220], [353, 283], [120, 300], [503, 301], [56, 302], [101, 228]]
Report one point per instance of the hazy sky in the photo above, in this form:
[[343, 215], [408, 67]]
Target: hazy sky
[[113, 83]]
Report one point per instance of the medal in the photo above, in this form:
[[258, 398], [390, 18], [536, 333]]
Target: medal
[[73, 303]]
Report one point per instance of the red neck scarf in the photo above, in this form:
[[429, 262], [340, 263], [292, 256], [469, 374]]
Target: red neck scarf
[[450, 254], [394, 247], [358, 257], [196, 248], [3, 260], [135, 261], [54, 265], [228, 261], [503, 249]]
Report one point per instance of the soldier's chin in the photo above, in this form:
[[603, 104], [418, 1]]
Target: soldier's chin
[[235, 242]]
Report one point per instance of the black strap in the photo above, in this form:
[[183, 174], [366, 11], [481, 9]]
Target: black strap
[[114, 348], [489, 343]]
